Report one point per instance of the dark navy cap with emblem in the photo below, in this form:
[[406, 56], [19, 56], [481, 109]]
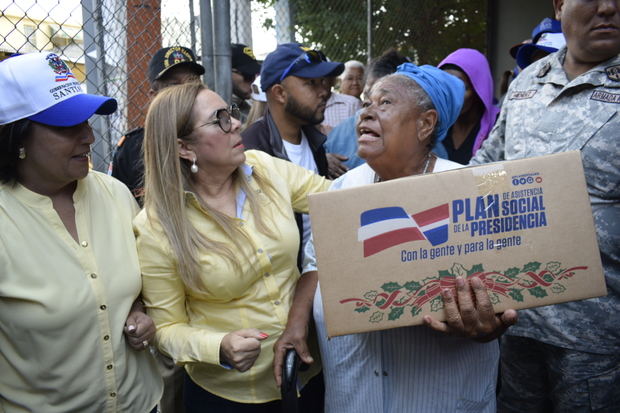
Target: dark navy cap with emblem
[[169, 57], [242, 59]]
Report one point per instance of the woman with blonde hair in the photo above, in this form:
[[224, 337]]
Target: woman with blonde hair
[[218, 244]]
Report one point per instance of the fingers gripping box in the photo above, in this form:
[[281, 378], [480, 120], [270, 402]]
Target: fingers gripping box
[[524, 227]]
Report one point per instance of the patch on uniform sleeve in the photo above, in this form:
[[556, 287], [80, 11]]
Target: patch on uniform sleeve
[[613, 73], [605, 96], [544, 70], [522, 94]]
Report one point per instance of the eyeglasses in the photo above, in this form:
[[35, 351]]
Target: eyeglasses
[[223, 118], [248, 77], [311, 56]]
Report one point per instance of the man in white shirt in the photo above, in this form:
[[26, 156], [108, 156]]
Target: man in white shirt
[[295, 80]]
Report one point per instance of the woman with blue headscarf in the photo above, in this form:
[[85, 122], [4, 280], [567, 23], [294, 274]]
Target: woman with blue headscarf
[[449, 367]]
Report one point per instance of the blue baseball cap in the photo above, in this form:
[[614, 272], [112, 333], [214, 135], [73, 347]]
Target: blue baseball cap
[[546, 42], [293, 59], [546, 36], [547, 25]]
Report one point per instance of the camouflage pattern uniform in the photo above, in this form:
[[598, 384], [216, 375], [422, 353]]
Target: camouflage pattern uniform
[[546, 113]]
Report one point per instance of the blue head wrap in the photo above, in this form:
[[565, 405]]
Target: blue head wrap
[[446, 92]]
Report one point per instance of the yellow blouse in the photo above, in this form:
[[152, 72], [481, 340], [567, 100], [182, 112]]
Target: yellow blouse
[[63, 304], [191, 324]]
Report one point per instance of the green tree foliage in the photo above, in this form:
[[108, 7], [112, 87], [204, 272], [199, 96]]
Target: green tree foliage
[[424, 30]]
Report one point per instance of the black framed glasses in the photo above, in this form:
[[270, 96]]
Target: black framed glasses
[[309, 57], [223, 118]]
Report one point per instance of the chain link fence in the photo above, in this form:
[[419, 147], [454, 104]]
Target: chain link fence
[[108, 43]]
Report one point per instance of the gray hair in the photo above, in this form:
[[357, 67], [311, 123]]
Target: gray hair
[[352, 64], [414, 92], [416, 95]]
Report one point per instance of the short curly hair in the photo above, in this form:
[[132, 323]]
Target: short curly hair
[[386, 63]]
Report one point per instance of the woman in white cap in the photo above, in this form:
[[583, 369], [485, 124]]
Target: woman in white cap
[[72, 328], [259, 104]]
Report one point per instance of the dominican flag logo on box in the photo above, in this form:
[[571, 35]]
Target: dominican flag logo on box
[[383, 228]]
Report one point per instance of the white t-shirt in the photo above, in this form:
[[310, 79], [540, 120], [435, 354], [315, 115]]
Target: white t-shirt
[[302, 155]]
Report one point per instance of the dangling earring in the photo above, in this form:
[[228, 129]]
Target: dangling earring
[[194, 167], [22, 153]]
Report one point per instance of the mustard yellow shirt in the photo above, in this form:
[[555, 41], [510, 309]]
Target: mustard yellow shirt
[[191, 324], [63, 304]]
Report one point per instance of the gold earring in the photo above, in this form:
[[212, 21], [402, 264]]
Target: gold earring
[[22, 153]]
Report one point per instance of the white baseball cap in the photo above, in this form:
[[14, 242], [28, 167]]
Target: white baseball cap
[[41, 87], [547, 42], [257, 92]]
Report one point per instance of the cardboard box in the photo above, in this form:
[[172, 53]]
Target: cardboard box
[[385, 251]]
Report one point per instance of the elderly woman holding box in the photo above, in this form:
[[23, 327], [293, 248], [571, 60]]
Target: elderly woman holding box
[[449, 367]]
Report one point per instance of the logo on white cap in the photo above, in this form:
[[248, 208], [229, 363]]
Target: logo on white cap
[[59, 67], [62, 74]]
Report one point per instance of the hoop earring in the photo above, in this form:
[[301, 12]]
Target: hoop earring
[[194, 167], [22, 153]]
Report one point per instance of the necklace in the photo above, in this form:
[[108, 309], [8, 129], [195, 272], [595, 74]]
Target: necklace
[[424, 171], [427, 163]]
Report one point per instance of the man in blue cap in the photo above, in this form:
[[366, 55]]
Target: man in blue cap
[[547, 37], [295, 80]]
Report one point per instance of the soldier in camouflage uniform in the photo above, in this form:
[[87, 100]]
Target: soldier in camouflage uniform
[[566, 357]]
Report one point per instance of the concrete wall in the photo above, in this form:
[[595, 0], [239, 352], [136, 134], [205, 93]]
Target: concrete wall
[[510, 22]]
